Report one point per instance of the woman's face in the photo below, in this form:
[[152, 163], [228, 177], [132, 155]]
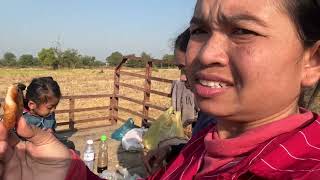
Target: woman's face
[[244, 59]]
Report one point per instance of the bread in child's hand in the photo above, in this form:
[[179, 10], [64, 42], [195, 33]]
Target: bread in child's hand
[[13, 105]]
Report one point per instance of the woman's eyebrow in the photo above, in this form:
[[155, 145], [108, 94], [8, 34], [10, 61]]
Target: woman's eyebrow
[[197, 21], [231, 19], [234, 19]]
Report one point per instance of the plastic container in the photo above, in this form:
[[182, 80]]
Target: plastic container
[[103, 155], [88, 155]]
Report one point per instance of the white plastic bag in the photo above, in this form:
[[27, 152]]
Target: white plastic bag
[[132, 140]]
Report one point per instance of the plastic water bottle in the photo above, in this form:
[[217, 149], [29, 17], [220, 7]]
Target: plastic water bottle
[[88, 154], [103, 155]]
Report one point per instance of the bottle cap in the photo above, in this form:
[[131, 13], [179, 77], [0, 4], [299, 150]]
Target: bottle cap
[[90, 141], [103, 137]]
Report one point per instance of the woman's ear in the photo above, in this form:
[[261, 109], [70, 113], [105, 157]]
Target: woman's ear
[[311, 69], [32, 105]]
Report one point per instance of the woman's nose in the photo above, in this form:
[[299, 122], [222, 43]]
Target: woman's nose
[[214, 51]]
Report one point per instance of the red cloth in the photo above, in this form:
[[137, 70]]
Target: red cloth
[[78, 170], [285, 149]]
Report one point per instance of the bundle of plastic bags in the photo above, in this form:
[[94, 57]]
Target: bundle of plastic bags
[[167, 126], [132, 140], [120, 132]]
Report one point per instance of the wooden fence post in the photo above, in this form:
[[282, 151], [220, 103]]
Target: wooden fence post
[[115, 99], [147, 88], [111, 110], [71, 113]]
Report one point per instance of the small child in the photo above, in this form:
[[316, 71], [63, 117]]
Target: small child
[[41, 99]]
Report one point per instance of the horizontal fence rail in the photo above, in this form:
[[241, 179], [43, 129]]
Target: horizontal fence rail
[[135, 113], [81, 109], [141, 103], [72, 110]]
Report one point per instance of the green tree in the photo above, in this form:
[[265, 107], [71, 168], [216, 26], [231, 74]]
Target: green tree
[[114, 59], [48, 57], [98, 63], [168, 61], [87, 61], [28, 60], [70, 58], [9, 59], [145, 58], [132, 63], [139, 63], [36, 61]]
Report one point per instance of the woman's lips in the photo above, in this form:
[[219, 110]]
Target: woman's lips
[[211, 84], [206, 91]]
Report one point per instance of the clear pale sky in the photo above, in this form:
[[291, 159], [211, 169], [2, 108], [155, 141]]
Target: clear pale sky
[[94, 27]]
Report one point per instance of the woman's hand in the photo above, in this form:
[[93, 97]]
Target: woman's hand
[[48, 130], [153, 160], [41, 157]]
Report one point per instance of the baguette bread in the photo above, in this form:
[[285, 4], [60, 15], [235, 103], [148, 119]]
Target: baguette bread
[[13, 105]]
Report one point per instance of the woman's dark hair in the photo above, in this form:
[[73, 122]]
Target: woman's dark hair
[[181, 43], [306, 16], [41, 89]]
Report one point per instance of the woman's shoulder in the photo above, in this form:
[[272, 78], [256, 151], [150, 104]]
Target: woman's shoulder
[[293, 155]]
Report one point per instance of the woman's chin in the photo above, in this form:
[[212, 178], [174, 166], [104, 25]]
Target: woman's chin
[[216, 111]]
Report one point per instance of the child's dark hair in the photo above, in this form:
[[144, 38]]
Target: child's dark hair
[[181, 43], [41, 89]]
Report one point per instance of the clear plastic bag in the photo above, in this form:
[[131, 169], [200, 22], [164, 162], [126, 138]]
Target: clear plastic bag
[[132, 140]]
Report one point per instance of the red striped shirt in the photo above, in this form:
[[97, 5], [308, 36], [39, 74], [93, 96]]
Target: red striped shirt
[[290, 150]]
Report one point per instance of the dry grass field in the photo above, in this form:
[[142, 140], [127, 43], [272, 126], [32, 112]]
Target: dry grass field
[[93, 81]]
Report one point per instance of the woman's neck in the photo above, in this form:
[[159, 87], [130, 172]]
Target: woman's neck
[[230, 129]]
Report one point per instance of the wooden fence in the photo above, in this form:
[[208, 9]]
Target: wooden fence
[[146, 89], [113, 109], [72, 110]]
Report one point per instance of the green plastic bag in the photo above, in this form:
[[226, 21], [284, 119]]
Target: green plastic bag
[[168, 125]]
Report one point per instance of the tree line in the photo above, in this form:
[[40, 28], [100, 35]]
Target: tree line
[[51, 57], [71, 58], [115, 58]]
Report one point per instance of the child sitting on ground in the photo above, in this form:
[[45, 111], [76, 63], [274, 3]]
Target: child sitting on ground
[[41, 99]]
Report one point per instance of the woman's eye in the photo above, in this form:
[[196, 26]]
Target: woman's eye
[[240, 31], [197, 31]]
